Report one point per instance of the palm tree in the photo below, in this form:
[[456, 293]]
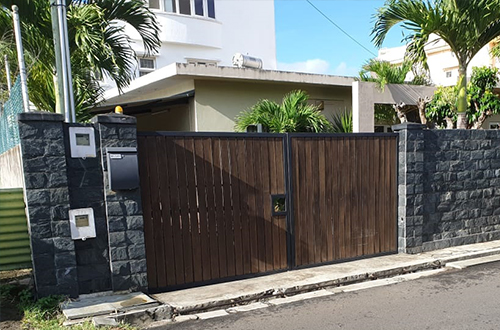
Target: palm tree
[[294, 114], [383, 72], [98, 45], [467, 26]]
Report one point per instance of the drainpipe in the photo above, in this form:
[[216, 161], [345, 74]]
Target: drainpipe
[[20, 58]]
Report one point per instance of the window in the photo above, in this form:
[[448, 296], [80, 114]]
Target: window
[[146, 65], [204, 8], [494, 125], [449, 74]]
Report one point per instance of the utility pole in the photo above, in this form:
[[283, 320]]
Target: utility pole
[[63, 68], [20, 58]]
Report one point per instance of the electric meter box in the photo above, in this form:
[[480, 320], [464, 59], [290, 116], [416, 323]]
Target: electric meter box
[[123, 168], [82, 142], [82, 223]]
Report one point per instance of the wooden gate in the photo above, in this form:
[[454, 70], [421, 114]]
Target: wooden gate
[[344, 196], [212, 202], [207, 206]]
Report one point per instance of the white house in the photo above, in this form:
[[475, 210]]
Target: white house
[[208, 32]]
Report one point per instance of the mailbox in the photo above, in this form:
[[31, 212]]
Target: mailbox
[[123, 170]]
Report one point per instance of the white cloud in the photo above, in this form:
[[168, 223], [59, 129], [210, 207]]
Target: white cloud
[[309, 66], [319, 66], [343, 70]]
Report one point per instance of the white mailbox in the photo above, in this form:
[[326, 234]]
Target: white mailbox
[[82, 223], [82, 142]]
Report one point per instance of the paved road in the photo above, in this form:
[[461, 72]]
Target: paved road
[[458, 299]]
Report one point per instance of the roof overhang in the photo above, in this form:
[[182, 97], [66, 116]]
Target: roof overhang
[[169, 79]]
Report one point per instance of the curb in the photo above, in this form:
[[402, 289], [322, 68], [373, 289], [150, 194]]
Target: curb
[[167, 314]]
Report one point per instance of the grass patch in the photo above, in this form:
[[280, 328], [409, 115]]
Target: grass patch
[[44, 313]]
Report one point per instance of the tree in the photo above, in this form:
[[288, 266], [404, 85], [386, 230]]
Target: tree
[[482, 102], [467, 26], [97, 41], [294, 114]]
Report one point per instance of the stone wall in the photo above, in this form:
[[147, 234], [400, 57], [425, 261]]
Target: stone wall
[[449, 187], [123, 209], [55, 183], [86, 189], [47, 203]]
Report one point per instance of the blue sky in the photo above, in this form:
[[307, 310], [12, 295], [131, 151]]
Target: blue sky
[[308, 42]]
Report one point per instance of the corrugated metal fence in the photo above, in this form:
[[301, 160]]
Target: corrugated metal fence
[[14, 239]]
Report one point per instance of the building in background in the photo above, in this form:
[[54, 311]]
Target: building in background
[[443, 65], [208, 33]]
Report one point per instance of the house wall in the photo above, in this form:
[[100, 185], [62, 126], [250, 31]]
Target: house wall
[[11, 173], [243, 26], [448, 187], [218, 103], [175, 118]]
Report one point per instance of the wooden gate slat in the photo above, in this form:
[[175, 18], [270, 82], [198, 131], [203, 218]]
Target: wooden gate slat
[[244, 177], [212, 225], [201, 185], [322, 204], [266, 205], [192, 199], [176, 216], [236, 183], [164, 182], [228, 208], [219, 210], [281, 221], [187, 245]]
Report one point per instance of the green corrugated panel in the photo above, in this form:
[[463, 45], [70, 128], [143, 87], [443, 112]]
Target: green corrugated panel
[[14, 238]]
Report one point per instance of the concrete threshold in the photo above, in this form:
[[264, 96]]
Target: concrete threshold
[[287, 284]]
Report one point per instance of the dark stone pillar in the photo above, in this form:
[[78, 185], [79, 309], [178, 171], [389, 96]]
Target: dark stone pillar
[[86, 190], [410, 186], [123, 209], [47, 203]]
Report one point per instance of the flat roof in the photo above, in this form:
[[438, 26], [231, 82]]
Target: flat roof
[[179, 73]]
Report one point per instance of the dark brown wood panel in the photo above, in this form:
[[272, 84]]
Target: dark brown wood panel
[[344, 196], [207, 207]]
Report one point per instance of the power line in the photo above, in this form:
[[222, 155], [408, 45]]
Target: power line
[[338, 27]]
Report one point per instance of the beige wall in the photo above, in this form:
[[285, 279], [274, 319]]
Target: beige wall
[[11, 173], [173, 118], [218, 102]]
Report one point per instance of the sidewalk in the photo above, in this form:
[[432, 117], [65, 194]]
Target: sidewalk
[[289, 283], [259, 292]]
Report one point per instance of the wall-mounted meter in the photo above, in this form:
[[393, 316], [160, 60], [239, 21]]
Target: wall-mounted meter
[[82, 223], [82, 142]]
